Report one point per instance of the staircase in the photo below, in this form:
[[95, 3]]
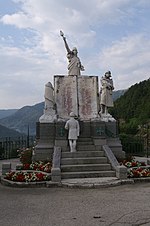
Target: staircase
[[87, 162]]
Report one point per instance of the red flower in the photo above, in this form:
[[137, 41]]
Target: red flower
[[134, 164], [35, 167], [143, 164], [20, 178], [140, 169], [136, 173], [40, 176], [26, 166], [9, 175]]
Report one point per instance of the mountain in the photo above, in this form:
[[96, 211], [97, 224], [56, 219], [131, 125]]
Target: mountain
[[6, 113], [118, 93], [24, 117], [6, 132]]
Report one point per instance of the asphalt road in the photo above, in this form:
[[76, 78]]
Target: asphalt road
[[121, 205]]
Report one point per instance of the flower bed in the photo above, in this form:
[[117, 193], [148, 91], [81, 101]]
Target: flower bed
[[38, 166], [138, 172], [136, 169], [133, 163], [20, 176]]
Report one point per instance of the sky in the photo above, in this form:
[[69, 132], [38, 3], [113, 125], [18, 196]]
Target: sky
[[109, 35]]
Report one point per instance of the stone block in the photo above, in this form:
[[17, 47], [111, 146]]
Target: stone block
[[55, 175], [47, 131], [60, 131], [65, 95], [99, 141], [121, 172], [6, 167], [43, 152], [97, 129], [88, 97], [61, 143], [116, 147], [56, 157], [45, 145], [19, 166], [111, 129], [85, 128], [55, 171], [118, 152]]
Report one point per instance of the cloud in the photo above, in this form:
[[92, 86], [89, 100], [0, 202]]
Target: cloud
[[128, 59], [76, 18], [110, 35], [24, 74]]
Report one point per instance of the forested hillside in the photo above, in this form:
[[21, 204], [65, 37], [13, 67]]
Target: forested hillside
[[133, 108]]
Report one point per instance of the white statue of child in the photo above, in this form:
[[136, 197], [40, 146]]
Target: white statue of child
[[73, 126]]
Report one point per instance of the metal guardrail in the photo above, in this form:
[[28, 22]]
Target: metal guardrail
[[135, 147], [10, 145]]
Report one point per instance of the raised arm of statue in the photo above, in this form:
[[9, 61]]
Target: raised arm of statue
[[66, 44], [74, 64]]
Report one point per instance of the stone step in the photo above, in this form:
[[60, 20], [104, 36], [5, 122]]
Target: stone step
[[85, 167], [86, 147], [79, 154], [89, 174], [83, 148], [85, 139], [85, 160], [84, 143]]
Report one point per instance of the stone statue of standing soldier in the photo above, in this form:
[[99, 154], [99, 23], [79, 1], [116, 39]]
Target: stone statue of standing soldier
[[107, 87], [74, 67], [72, 125]]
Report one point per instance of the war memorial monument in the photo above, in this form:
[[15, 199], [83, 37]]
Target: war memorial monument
[[94, 149]]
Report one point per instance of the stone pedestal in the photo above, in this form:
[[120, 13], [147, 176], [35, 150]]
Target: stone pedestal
[[54, 134], [77, 94], [45, 146]]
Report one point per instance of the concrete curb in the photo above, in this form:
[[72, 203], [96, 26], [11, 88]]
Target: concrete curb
[[22, 184], [90, 185], [143, 179], [50, 184], [77, 185]]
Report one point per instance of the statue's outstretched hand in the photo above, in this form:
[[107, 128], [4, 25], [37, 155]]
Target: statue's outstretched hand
[[82, 68], [61, 33]]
